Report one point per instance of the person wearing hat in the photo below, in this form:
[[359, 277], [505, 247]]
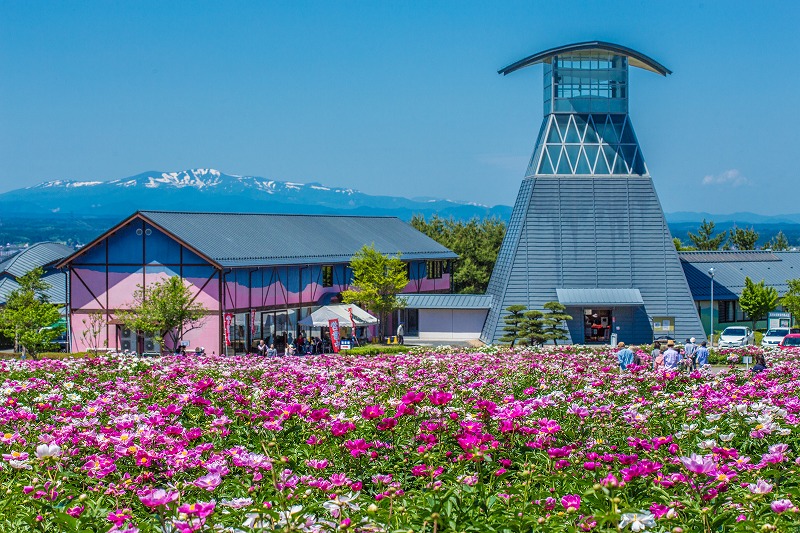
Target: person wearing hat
[[624, 356], [690, 351], [672, 359]]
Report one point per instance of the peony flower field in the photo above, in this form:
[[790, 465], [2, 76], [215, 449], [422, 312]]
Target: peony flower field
[[546, 440]]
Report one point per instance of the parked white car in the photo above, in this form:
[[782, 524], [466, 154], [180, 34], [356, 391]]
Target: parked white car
[[735, 336], [773, 337]]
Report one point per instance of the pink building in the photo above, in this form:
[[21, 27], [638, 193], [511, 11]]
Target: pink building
[[256, 274]]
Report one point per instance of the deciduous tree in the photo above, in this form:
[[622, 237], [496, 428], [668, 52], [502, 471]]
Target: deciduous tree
[[166, 309], [28, 317], [757, 300], [377, 280], [791, 300]]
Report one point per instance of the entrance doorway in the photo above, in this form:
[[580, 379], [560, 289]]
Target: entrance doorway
[[597, 326]]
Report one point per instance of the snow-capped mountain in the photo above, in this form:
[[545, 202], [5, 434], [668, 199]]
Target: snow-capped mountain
[[212, 190]]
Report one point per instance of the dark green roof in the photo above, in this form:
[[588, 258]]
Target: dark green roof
[[447, 301], [257, 239]]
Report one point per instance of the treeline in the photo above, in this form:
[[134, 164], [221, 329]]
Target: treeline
[[735, 238], [477, 243]]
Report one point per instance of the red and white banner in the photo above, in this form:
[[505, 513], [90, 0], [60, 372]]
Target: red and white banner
[[333, 327], [253, 321], [228, 321]]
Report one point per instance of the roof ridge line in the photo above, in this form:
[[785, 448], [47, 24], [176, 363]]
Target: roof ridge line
[[238, 213]]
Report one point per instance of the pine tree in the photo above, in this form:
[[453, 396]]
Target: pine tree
[[779, 243], [553, 322], [743, 239], [532, 329], [705, 239], [513, 320]]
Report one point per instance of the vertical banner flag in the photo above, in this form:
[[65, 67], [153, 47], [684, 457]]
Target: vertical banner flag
[[252, 321], [333, 327], [228, 320]]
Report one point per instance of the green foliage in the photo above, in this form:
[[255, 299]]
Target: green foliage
[[164, 309], [513, 322], [679, 246], [757, 299], [477, 243], [705, 239], [532, 328], [377, 280], [779, 243], [376, 349], [28, 317], [743, 239], [553, 326], [791, 300]]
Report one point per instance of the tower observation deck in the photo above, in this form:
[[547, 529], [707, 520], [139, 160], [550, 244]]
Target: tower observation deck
[[587, 227]]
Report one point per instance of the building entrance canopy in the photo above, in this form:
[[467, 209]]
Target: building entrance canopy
[[341, 312], [600, 297]]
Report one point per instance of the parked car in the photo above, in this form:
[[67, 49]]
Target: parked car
[[773, 337], [792, 340], [736, 336]]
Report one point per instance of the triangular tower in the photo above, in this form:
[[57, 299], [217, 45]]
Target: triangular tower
[[587, 228]]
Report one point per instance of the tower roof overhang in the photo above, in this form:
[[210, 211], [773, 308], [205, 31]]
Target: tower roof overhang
[[635, 59]]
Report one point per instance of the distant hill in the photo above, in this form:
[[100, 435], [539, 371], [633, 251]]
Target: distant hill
[[75, 211]]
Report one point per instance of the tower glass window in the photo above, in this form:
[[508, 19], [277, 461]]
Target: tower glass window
[[586, 82]]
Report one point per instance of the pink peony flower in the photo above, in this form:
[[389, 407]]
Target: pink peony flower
[[372, 411], [156, 498], [200, 509], [208, 482], [781, 506]]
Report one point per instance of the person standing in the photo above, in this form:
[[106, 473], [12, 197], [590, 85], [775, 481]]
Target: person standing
[[658, 359], [701, 355], [400, 333], [624, 356], [672, 359], [690, 351]]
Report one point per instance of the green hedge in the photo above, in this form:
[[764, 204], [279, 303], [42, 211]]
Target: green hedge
[[375, 349]]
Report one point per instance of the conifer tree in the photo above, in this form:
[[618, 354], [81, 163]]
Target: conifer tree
[[532, 329], [705, 239], [513, 320], [553, 322]]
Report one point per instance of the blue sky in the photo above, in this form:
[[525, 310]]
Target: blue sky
[[395, 98]]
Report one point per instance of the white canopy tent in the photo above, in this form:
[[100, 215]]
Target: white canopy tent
[[321, 316]]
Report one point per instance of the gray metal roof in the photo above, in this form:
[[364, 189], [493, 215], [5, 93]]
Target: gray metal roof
[[40, 254], [635, 59], [255, 239], [447, 301], [57, 293], [600, 296], [775, 268], [729, 256]]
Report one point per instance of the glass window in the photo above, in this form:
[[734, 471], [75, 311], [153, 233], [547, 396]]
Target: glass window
[[327, 276], [435, 269]]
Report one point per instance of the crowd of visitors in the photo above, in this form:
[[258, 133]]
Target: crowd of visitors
[[690, 357]]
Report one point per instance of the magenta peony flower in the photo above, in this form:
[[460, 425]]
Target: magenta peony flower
[[208, 482], [440, 397], [571, 502], [372, 411], [699, 464], [201, 509]]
